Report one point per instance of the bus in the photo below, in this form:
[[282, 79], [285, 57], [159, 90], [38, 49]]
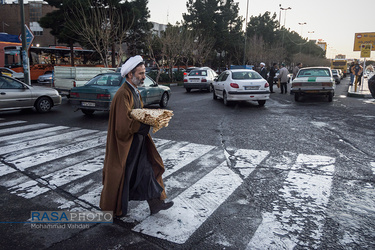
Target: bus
[[340, 64], [44, 59]]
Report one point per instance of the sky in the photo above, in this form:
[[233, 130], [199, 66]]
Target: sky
[[334, 21]]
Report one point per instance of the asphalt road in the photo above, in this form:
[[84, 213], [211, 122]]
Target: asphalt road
[[286, 175]]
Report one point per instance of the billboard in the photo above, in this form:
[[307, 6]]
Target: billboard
[[364, 38]]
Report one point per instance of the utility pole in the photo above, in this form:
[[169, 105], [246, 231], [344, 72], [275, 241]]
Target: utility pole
[[25, 56]]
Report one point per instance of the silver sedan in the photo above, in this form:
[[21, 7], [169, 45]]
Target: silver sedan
[[15, 95]]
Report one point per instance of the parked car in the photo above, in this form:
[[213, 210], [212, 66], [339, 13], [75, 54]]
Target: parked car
[[241, 85], [97, 94], [200, 78], [8, 72], [314, 81], [17, 95], [336, 75], [46, 78]]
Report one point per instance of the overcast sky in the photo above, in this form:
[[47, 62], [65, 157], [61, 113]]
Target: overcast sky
[[334, 21]]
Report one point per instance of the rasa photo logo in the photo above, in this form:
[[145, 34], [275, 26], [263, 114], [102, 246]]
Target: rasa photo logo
[[68, 219]]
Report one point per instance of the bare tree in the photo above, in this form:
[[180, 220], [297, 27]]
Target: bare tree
[[103, 26]]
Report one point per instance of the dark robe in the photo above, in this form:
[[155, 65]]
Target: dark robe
[[132, 166]]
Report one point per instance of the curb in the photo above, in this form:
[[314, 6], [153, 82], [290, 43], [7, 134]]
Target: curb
[[358, 95]]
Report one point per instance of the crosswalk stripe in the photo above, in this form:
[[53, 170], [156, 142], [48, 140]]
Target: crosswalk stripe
[[23, 128], [11, 123], [43, 157], [180, 154], [30, 135], [4, 169], [32, 188], [301, 207], [193, 206], [44, 140]]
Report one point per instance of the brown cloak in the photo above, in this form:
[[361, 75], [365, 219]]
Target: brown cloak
[[121, 128]]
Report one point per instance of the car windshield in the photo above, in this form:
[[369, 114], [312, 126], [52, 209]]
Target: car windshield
[[243, 75], [198, 73], [313, 72], [106, 80]]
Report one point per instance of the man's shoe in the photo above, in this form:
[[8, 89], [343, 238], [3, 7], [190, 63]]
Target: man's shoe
[[156, 205]]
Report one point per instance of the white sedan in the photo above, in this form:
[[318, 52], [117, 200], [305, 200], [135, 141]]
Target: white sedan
[[241, 85]]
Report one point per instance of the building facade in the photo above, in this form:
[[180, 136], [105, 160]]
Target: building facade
[[10, 21]]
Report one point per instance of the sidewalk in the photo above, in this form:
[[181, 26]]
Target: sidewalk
[[362, 91]]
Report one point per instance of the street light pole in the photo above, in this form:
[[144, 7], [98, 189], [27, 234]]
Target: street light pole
[[285, 9], [300, 46]]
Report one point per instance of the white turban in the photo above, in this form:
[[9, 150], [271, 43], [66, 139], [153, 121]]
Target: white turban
[[262, 63], [130, 64]]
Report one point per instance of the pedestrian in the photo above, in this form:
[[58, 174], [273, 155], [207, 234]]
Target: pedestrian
[[351, 73], [263, 70], [133, 167], [283, 76], [271, 76], [296, 69], [357, 71]]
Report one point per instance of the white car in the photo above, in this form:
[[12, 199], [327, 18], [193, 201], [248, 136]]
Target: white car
[[200, 78], [17, 75], [241, 85], [314, 81]]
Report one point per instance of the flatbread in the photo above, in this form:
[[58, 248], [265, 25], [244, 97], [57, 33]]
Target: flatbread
[[157, 118]]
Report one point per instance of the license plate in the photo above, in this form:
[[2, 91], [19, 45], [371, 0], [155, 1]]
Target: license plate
[[251, 87], [312, 91], [88, 104], [64, 92]]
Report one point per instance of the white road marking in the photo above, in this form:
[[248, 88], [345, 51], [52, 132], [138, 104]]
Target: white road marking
[[23, 128], [180, 154], [11, 123], [301, 208], [16, 138], [193, 206], [45, 140], [4, 169], [43, 157], [30, 189]]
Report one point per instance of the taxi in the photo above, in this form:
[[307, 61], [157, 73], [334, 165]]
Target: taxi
[[314, 81]]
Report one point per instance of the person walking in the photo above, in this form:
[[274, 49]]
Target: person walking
[[357, 71], [283, 76], [351, 74], [271, 76], [296, 69], [132, 167], [263, 70]]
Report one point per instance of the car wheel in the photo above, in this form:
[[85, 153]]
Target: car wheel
[[88, 111], [214, 94], [330, 97], [261, 102], [164, 100], [296, 97], [210, 88], [43, 105], [225, 99], [188, 90]]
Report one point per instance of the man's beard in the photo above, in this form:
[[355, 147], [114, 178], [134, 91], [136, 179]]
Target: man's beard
[[137, 82]]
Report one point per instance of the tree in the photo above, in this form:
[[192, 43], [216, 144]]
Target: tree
[[55, 21], [216, 20], [100, 24], [138, 32]]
